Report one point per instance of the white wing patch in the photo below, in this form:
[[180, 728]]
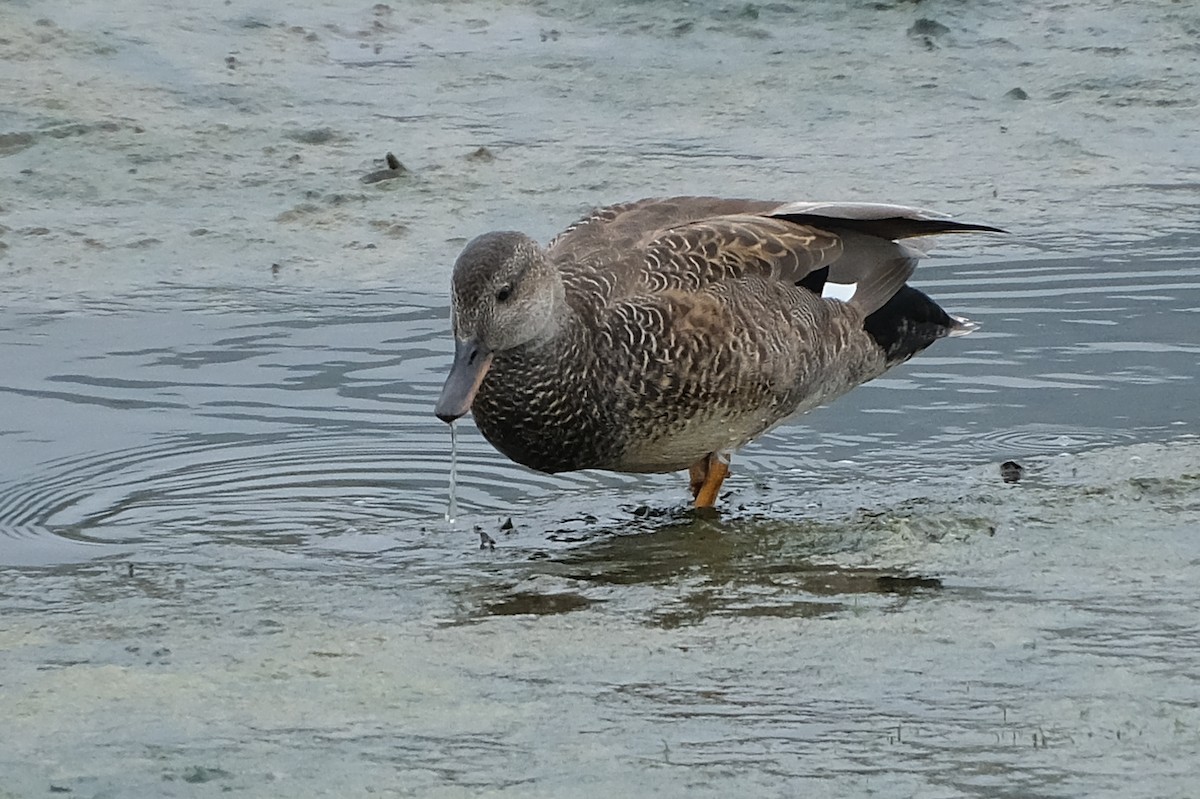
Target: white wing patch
[[838, 291]]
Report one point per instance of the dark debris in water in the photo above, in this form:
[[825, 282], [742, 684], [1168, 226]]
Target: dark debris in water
[[927, 27], [1011, 471], [574, 530], [927, 31], [649, 512], [394, 170]]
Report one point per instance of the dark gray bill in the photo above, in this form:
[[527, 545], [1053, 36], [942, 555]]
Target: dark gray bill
[[471, 362]]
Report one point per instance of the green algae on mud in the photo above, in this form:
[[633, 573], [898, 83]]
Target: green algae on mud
[[1040, 628]]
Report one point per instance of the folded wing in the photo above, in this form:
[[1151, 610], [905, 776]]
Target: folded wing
[[850, 251]]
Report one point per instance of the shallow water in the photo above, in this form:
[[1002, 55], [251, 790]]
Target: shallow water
[[224, 559], [308, 416]]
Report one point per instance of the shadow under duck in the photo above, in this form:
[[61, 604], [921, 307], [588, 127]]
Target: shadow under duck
[[664, 334]]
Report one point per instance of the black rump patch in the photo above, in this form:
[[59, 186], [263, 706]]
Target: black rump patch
[[908, 323]]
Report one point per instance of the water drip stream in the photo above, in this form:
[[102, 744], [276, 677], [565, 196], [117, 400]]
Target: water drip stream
[[452, 507]]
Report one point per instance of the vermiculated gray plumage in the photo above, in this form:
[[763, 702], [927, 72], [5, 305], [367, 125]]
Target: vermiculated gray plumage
[[652, 334]]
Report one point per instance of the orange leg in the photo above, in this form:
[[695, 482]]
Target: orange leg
[[706, 475]]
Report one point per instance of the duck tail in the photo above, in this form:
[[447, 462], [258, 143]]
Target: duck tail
[[909, 322]]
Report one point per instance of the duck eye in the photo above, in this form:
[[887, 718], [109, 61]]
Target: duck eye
[[504, 293]]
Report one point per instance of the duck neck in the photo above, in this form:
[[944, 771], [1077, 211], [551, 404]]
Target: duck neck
[[537, 404], [557, 313]]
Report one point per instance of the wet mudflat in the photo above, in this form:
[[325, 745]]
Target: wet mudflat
[[225, 566]]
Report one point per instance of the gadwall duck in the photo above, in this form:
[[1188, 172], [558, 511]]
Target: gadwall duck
[[663, 334]]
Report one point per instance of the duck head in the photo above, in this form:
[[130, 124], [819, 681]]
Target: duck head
[[505, 294]]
